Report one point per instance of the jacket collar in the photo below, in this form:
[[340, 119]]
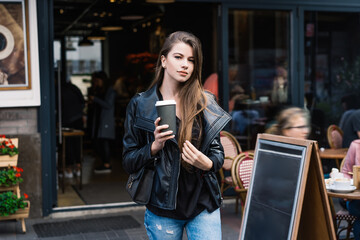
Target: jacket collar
[[146, 113], [215, 117]]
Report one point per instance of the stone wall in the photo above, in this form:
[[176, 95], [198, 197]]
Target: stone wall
[[22, 123], [18, 121]]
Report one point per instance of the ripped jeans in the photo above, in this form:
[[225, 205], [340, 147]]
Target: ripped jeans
[[204, 226]]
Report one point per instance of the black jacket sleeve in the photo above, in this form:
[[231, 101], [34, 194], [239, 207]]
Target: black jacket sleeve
[[136, 142], [216, 154]]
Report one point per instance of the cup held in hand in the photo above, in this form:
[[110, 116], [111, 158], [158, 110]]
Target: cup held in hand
[[167, 112]]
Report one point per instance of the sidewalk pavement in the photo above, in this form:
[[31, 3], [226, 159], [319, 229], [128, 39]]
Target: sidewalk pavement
[[11, 230]]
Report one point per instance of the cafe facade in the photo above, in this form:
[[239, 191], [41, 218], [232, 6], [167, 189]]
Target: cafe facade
[[312, 45]]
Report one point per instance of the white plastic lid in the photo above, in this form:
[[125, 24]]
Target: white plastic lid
[[165, 102]]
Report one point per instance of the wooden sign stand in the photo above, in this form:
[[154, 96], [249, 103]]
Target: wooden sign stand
[[316, 219], [310, 215]]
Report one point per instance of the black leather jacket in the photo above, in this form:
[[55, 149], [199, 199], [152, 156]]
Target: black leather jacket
[[139, 135]]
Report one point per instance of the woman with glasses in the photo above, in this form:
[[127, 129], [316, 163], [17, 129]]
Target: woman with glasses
[[292, 122]]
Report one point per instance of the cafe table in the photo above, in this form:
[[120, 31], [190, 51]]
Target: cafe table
[[333, 153], [355, 195]]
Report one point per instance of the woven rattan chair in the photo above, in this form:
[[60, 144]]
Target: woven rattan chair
[[335, 138], [231, 150], [241, 171]]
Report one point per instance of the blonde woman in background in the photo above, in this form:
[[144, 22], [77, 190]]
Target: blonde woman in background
[[292, 122]]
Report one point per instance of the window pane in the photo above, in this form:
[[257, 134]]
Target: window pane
[[332, 67], [259, 55]]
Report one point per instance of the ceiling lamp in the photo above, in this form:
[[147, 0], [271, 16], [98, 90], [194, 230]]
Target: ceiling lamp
[[160, 1], [131, 17], [111, 28], [97, 35], [85, 42]]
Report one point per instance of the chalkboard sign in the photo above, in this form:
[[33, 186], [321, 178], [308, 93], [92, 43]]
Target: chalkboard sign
[[275, 197]]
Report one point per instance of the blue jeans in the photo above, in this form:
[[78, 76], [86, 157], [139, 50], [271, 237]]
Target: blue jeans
[[354, 209], [204, 226]]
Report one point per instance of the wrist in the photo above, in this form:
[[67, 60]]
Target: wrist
[[153, 149], [210, 165]]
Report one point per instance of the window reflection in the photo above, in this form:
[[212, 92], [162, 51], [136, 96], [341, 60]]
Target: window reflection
[[259, 82], [332, 60]]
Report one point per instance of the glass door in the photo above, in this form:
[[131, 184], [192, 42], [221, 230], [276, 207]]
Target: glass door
[[259, 73]]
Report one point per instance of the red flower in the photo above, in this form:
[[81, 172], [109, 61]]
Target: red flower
[[26, 196], [11, 146], [17, 175], [19, 169]]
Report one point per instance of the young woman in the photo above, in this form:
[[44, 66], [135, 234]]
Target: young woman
[[185, 192], [292, 122]]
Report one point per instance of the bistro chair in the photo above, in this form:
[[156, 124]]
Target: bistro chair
[[241, 171], [231, 150], [335, 138]]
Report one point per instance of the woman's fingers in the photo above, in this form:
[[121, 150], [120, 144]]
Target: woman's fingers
[[160, 137], [190, 152], [191, 147], [194, 157], [162, 127]]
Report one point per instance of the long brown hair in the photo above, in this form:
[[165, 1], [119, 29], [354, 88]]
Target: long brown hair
[[191, 93]]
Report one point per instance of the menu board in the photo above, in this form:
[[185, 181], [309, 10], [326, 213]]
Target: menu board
[[276, 196]]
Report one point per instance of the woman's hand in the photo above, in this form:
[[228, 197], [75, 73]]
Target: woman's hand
[[160, 137], [196, 158]]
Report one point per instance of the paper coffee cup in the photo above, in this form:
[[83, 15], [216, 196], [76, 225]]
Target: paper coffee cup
[[167, 112]]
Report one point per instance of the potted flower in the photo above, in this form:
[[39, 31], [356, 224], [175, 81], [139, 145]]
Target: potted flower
[[10, 176], [7, 147], [11, 204], [8, 151]]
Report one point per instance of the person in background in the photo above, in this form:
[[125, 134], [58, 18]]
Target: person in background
[[237, 93], [353, 158], [292, 122], [185, 192], [351, 128], [243, 118], [279, 92], [350, 103], [72, 107], [103, 119]]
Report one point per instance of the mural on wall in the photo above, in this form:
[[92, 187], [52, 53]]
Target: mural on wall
[[14, 64]]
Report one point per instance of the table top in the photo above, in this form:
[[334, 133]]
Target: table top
[[72, 132], [333, 153], [355, 195]]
